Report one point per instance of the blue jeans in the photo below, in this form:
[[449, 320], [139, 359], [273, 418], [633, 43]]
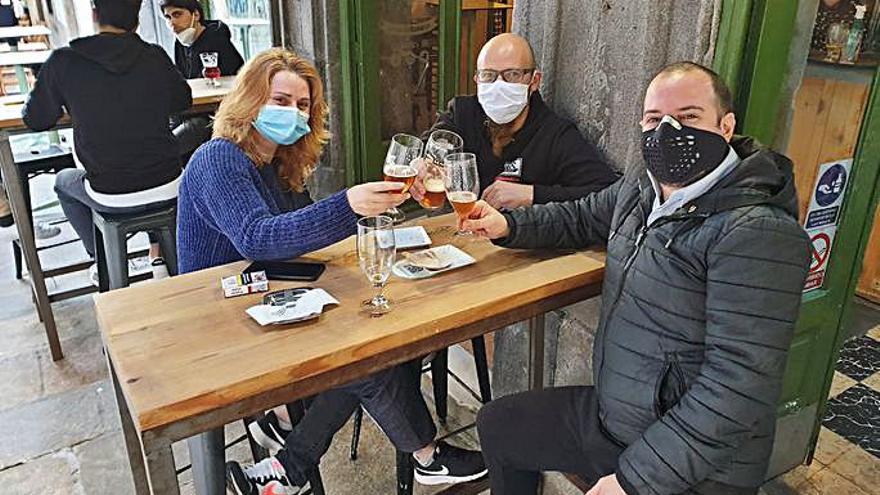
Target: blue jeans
[[392, 398], [78, 205]]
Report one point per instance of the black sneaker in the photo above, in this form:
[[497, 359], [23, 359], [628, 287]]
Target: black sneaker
[[266, 477], [268, 432], [451, 465]]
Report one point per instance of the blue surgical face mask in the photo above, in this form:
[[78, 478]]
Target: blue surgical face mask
[[282, 125]]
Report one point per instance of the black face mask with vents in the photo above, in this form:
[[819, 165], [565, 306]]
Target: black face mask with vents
[[679, 155]]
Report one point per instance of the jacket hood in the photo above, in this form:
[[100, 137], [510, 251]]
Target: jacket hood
[[117, 53], [762, 177], [214, 30]]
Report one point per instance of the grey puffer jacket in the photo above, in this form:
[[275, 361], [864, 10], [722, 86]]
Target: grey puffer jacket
[[697, 318]]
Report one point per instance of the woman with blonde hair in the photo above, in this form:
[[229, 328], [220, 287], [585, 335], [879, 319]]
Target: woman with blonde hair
[[243, 196], [243, 192]]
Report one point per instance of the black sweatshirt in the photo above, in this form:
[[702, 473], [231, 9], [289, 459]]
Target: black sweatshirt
[[548, 152], [119, 92], [215, 38]]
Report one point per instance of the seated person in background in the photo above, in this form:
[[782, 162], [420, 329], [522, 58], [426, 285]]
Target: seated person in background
[[706, 264], [120, 92], [526, 154], [243, 196], [196, 35]]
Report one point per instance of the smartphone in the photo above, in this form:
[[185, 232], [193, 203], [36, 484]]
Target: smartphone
[[288, 270]]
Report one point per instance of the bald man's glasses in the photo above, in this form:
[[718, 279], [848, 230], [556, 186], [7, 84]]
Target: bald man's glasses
[[508, 75]]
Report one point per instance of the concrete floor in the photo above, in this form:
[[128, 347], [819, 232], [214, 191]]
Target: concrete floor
[[60, 433]]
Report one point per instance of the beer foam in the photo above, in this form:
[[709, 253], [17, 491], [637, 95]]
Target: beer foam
[[435, 185], [400, 171], [462, 197]]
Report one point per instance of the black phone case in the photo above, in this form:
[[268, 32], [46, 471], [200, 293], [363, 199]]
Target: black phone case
[[273, 273]]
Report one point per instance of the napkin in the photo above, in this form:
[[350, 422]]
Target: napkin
[[308, 306]]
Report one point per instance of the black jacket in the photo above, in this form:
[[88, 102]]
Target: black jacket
[[119, 92], [548, 152], [697, 318], [215, 38]]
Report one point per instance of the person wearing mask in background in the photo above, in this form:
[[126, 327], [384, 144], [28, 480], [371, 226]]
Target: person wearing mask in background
[[706, 264], [243, 196], [196, 35], [526, 153], [119, 92]]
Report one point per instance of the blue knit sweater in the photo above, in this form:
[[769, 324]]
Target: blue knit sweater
[[228, 211]]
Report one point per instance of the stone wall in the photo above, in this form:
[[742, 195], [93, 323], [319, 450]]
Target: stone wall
[[597, 57], [312, 30]]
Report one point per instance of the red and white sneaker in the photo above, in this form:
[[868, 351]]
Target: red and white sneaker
[[266, 477]]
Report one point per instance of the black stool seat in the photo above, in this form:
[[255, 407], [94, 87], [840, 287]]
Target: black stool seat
[[49, 160], [112, 231]]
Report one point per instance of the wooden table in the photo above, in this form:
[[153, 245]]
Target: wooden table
[[185, 360], [18, 58], [205, 98], [23, 31]]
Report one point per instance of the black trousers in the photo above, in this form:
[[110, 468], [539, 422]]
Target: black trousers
[[391, 397], [557, 429]]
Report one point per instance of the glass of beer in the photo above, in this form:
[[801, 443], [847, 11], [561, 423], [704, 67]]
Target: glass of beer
[[211, 68], [399, 166], [462, 184], [376, 253], [440, 144]]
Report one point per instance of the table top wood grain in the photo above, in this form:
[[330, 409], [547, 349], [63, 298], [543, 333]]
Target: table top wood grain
[[181, 349]]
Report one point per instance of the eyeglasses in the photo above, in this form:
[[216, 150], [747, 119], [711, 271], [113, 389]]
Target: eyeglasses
[[508, 75]]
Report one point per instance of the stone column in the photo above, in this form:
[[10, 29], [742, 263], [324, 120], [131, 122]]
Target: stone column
[[597, 57], [312, 30]]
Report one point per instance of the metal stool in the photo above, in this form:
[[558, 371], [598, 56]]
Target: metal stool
[[112, 231], [49, 160]]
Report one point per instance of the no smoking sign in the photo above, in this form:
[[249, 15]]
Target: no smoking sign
[[821, 241]]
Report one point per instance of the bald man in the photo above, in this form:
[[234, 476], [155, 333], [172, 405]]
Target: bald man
[[526, 154]]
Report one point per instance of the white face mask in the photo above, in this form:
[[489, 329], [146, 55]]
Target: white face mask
[[503, 101], [188, 36]]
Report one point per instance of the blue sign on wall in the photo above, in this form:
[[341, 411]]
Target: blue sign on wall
[[831, 185]]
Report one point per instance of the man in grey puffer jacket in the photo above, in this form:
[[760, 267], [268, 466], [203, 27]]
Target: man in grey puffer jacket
[[705, 266]]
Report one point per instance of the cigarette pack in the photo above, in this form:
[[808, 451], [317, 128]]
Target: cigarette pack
[[245, 283]]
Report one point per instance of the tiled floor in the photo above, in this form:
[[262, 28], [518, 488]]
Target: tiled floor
[[847, 459], [59, 429]]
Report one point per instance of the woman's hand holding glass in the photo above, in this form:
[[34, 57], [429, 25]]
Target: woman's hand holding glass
[[374, 198]]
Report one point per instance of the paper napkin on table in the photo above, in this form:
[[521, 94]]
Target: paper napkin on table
[[308, 306]]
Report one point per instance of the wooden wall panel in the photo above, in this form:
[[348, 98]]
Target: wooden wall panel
[[825, 127], [869, 282]]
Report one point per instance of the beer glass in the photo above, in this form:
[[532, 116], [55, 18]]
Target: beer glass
[[376, 253], [440, 144], [211, 68], [398, 167], [462, 184]]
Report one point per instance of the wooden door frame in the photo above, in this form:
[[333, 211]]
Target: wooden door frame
[[360, 78], [752, 55]]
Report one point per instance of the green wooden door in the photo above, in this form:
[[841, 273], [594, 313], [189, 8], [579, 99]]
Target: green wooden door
[[400, 64], [752, 54]]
